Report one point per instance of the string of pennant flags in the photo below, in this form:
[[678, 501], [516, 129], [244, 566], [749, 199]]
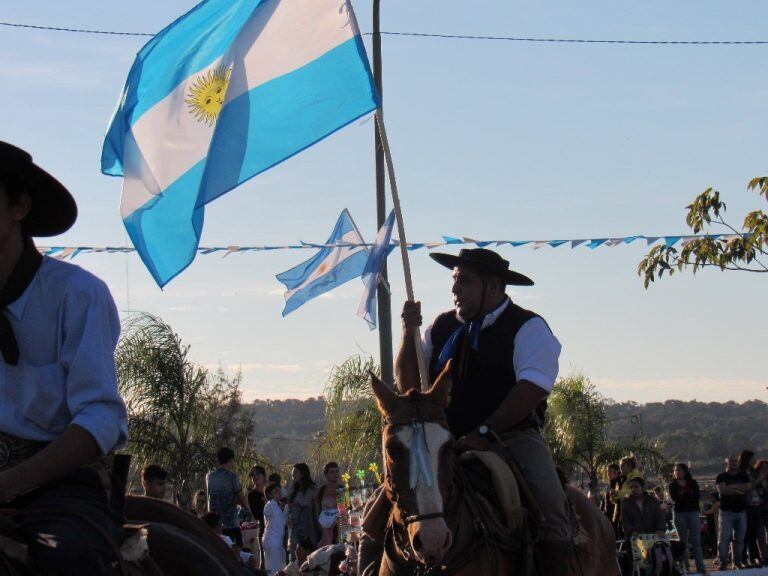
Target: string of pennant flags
[[70, 252]]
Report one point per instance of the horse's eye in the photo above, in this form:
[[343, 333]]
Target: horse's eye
[[396, 451]]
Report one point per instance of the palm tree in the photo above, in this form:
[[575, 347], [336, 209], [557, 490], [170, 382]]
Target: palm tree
[[352, 435], [179, 414], [578, 432]]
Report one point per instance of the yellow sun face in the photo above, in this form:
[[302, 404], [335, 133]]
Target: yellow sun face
[[207, 95]]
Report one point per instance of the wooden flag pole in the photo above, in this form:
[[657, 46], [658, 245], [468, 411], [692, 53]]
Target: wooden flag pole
[[423, 375]]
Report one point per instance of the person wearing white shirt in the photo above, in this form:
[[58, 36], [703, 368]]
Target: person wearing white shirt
[[61, 413], [274, 530], [504, 362]]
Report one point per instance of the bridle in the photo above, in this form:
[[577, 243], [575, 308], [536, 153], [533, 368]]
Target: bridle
[[416, 415]]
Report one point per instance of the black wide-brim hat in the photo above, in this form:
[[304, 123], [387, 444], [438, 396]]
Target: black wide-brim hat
[[53, 208], [485, 262]]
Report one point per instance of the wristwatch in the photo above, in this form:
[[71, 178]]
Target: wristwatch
[[485, 432]]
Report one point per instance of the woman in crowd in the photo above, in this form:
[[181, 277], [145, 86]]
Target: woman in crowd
[[628, 469], [761, 487], [751, 546], [684, 492], [711, 509], [607, 505], [302, 515]]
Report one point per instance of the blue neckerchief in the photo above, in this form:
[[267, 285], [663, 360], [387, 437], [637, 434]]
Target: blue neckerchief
[[450, 348], [451, 345]]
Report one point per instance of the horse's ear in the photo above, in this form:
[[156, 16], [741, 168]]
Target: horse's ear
[[385, 396], [441, 389]]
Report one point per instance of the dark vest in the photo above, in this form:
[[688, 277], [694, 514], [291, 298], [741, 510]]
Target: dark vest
[[490, 373]]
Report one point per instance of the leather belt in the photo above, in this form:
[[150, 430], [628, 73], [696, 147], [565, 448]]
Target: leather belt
[[13, 451]]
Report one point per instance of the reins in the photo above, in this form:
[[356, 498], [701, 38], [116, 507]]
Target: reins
[[416, 414], [397, 550]]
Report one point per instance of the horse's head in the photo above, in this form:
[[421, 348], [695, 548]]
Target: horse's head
[[418, 456]]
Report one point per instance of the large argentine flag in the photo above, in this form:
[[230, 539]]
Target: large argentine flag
[[227, 91], [329, 268]]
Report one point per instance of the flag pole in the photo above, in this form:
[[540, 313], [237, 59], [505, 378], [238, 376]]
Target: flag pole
[[384, 301], [423, 376]]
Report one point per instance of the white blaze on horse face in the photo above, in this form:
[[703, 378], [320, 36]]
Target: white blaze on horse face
[[427, 445]]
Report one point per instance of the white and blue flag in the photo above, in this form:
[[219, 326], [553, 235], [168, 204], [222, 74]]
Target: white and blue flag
[[372, 275], [227, 91], [329, 268]]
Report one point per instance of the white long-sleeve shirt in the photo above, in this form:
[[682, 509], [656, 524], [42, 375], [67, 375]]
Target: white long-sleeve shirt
[[67, 328]]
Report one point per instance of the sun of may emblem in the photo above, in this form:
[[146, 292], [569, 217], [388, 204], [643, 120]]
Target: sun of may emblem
[[206, 94]]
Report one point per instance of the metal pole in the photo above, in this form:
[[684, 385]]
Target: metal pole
[[384, 301], [423, 376]]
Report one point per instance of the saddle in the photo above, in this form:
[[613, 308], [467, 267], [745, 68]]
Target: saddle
[[500, 489], [497, 484]]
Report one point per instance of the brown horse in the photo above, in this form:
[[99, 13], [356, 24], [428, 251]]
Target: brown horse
[[437, 524], [179, 544]]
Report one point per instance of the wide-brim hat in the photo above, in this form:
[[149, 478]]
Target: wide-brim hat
[[53, 208], [485, 262]]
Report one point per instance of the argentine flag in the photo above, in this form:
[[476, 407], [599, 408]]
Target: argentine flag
[[329, 268], [227, 91], [372, 275]]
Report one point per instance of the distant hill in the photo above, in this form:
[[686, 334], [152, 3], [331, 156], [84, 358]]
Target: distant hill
[[286, 429], [701, 433]]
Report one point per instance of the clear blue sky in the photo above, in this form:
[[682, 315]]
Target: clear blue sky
[[491, 140]]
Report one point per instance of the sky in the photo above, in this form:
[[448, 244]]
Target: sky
[[491, 140]]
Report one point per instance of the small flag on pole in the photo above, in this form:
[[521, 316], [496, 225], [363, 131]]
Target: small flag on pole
[[332, 266], [227, 91], [372, 273]]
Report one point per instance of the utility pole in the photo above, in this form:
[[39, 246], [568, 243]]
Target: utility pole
[[383, 298]]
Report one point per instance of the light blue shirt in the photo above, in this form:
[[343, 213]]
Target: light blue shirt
[[67, 327], [223, 487]]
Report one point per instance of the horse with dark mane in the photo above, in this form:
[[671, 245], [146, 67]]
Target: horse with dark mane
[[439, 523], [161, 540]]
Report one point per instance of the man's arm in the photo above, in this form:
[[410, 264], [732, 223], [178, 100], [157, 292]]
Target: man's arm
[[75, 448], [99, 422], [733, 489], [742, 489], [521, 400], [406, 362], [535, 361], [518, 404]]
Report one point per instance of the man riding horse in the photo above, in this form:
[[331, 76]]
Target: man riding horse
[[61, 413], [504, 362]]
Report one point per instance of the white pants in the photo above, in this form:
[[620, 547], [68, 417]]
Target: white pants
[[274, 558]]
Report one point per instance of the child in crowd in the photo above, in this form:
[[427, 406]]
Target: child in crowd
[[294, 567], [274, 530], [277, 479], [214, 523], [200, 503]]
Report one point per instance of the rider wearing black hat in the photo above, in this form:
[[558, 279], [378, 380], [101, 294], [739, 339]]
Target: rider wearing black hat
[[61, 412], [504, 362]]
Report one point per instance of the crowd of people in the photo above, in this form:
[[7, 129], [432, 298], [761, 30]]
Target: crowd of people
[[735, 513], [288, 524]]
